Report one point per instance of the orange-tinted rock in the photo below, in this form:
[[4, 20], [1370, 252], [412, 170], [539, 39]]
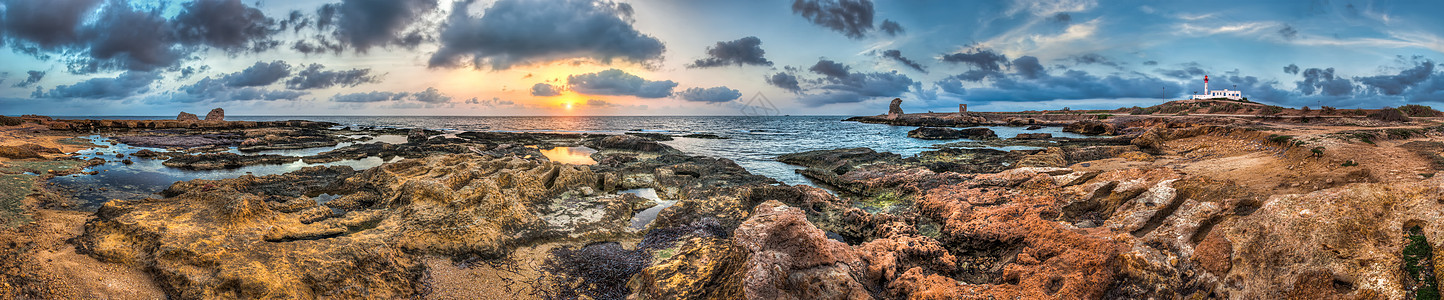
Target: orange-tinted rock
[[791, 259]]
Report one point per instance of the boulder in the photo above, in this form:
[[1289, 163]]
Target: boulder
[[416, 136], [185, 116], [894, 110], [1033, 136], [216, 115], [1090, 127], [938, 133]]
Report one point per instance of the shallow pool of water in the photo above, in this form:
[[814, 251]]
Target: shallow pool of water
[[145, 177], [641, 219], [580, 155]]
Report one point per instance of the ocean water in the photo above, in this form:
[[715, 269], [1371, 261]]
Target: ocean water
[[752, 142]]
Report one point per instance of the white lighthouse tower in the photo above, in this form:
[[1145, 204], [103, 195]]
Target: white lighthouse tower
[[1223, 94]]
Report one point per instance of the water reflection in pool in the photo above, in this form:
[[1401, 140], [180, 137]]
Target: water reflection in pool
[[145, 177], [571, 155], [641, 219]]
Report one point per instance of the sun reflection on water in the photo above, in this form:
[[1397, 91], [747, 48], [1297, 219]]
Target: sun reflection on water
[[571, 155]]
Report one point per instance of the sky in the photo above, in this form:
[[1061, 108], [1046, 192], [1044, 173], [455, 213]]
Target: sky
[[692, 57]]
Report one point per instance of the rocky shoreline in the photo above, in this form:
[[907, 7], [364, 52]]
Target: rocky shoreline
[[1158, 207]]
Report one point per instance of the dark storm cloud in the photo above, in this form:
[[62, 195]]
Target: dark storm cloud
[[123, 85], [32, 78], [952, 86], [313, 77], [853, 18], [785, 81], [1396, 84], [91, 37], [296, 21], [1028, 67], [744, 51], [897, 56], [1094, 58], [891, 28], [226, 24], [363, 24], [619, 83], [518, 32], [982, 59], [831, 69], [429, 96], [221, 90], [320, 45], [260, 74], [1288, 32], [1325, 83], [545, 90], [126, 38], [843, 86], [1291, 69], [712, 94], [48, 24]]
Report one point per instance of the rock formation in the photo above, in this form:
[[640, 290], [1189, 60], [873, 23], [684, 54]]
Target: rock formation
[[185, 116], [216, 115], [937, 133], [1090, 127], [894, 110]]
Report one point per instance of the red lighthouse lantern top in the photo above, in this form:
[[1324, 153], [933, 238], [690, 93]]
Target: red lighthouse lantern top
[[1205, 78]]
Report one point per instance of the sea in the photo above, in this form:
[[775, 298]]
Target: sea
[[753, 142]]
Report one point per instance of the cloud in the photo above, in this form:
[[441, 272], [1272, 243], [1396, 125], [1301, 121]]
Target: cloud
[[785, 81], [1061, 17], [1189, 72], [843, 86], [891, 28], [982, 59], [1028, 67], [744, 51], [430, 96], [1094, 58], [599, 103], [1396, 84], [260, 74], [493, 102], [90, 37], [712, 94], [1291, 69], [222, 89], [545, 90], [124, 38], [313, 77], [897, 56], [46, 24], [1150, 63], [952, 86], [32, 78], [831, 69], [853, 18], [619, 83], [363, 24], [1324, 81], [226, 24], [122, 86], [1288, 32], [518, 32]]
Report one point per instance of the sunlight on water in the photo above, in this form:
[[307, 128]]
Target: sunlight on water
[[571, 155]]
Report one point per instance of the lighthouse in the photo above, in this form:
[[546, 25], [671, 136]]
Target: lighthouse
[[1223, 94]]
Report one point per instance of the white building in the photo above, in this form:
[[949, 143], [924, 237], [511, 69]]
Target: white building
[[1225, 93]]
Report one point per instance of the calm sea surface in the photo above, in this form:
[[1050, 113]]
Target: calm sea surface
[[752, 142]]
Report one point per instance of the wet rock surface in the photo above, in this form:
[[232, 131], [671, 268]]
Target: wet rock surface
[[936, 133]]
